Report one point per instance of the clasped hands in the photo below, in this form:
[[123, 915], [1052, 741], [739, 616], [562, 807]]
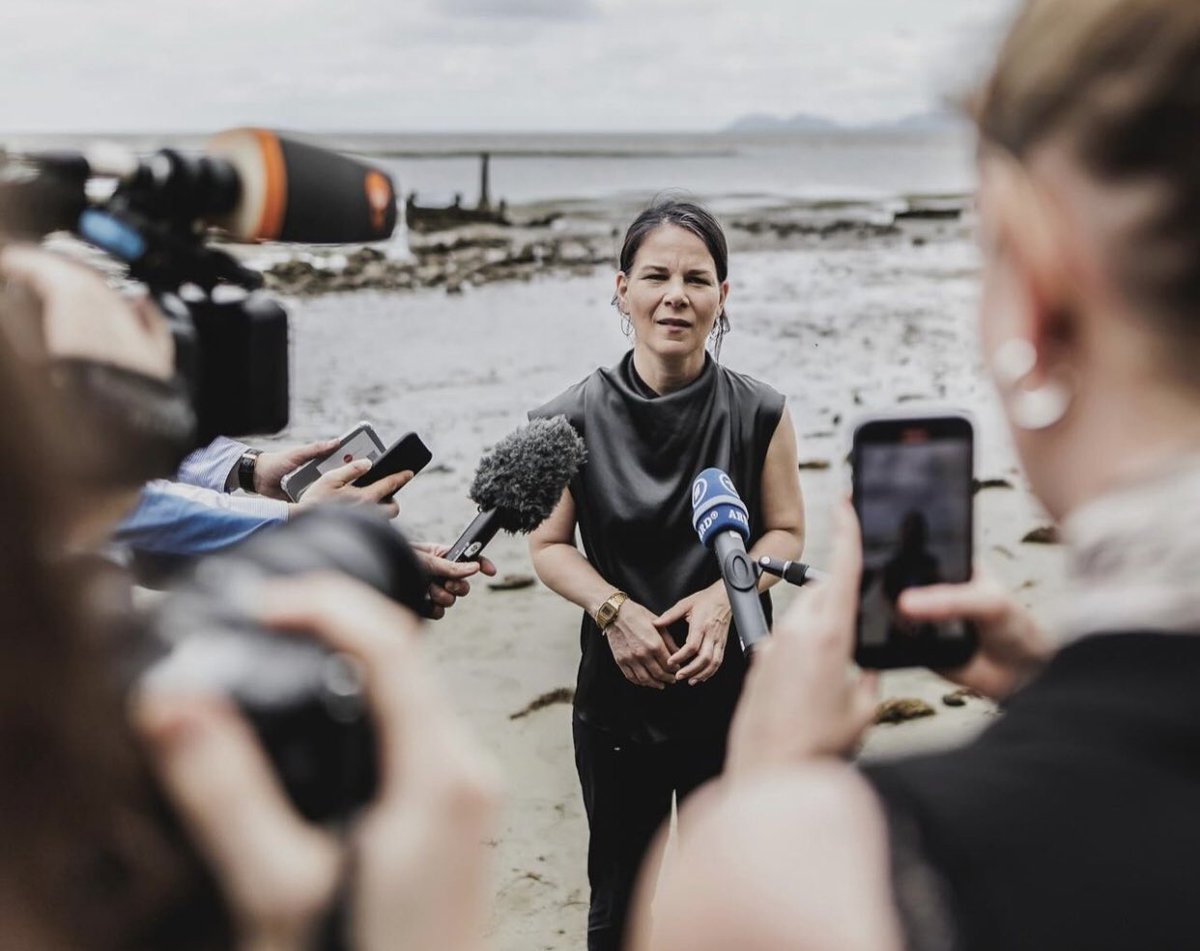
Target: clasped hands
[[649, 657]]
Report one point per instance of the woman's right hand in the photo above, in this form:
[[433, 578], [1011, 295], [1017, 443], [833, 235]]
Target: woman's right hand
[[641, 650], [419, 871], [1012, 646]]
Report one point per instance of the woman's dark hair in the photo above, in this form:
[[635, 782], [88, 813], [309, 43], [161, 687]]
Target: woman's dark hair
[[692, 217]]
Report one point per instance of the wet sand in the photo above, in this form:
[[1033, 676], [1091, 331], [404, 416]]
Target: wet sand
[[841, 328]]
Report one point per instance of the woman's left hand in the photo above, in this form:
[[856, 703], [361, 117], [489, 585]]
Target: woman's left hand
[[707, 613]]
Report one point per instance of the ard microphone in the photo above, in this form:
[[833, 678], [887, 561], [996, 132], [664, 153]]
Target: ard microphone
[[520, 481], [723, 524]]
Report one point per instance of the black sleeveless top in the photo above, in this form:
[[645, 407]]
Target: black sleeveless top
[[634, 510], [1074, 821]]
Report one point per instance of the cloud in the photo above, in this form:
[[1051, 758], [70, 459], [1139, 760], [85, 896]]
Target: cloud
[[522, 9], [441, 65]]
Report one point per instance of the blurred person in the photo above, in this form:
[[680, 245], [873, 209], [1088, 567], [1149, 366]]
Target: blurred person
[[92, 856], [1070, 822], [660, 673], [106, 364]]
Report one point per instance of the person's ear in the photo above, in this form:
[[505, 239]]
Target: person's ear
[[622, 292], [724, 296], [1025, 233]]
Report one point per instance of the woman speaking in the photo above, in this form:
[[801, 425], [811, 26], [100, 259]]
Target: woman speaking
[[661, 671]]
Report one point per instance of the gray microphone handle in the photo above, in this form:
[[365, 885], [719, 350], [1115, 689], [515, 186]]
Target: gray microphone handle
[[741, 584]]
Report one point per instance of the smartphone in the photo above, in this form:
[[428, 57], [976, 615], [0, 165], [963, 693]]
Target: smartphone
[[406, 453], [361, 442], [913, 495]]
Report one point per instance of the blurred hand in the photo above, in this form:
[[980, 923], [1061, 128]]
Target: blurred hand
[[335, 486], [802, 697], [420, 872], [1012, 647], [708, 614], [271, 467], [641, 650], [450, 583], [83, 318]]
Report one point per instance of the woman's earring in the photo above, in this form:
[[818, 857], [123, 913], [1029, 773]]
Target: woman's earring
[[1031, 408], [626, 323], [720, 326]]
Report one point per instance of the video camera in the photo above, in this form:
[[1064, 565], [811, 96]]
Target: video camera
[[155, 216]]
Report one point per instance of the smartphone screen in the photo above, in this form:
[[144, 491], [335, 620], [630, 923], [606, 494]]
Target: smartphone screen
[[913, 495]]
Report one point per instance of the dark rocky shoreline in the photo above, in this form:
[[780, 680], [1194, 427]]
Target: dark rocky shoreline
[[483, 254]]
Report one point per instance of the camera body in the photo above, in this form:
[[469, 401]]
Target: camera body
[[305, 702], [233, 356]]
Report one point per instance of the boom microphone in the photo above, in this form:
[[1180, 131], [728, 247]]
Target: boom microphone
[[292, 191], [723, 524], [520, 481], [253, 184]]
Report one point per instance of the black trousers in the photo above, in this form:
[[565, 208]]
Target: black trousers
[[627, 789]]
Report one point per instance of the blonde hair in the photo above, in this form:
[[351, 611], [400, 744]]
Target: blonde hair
[[1116, 83]]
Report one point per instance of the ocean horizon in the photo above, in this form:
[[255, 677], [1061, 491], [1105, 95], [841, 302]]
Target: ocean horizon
[[732, 170]]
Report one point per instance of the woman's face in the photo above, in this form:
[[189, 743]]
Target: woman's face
[[671, 292]]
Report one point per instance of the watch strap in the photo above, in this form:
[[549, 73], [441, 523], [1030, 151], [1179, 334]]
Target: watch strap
[[245, 469], [607, 612]]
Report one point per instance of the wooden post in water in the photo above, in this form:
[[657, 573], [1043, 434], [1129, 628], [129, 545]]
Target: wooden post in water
[[485, 198]]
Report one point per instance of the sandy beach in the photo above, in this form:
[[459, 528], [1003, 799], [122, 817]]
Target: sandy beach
[[842, 324]]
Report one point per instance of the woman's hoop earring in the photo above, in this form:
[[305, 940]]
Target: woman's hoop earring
[[626, 323], [1031, 408]]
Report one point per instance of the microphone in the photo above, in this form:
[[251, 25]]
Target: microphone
[[252, 183], [520, 481], [793, 572], [723, 524], [293, 191]]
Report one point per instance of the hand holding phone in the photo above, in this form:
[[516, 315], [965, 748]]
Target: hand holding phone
[[359, 442], [1012, 645], [406, 454], [913, 497]]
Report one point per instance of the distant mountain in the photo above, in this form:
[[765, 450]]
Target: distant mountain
[[925, 122], [764, 122]]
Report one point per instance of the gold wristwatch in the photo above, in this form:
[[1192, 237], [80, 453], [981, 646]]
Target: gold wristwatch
[[607, 612]]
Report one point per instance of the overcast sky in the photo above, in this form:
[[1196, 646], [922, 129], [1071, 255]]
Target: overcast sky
[[464, 65]]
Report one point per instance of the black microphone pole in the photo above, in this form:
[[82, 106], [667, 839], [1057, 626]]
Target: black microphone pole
[[741, 584]]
